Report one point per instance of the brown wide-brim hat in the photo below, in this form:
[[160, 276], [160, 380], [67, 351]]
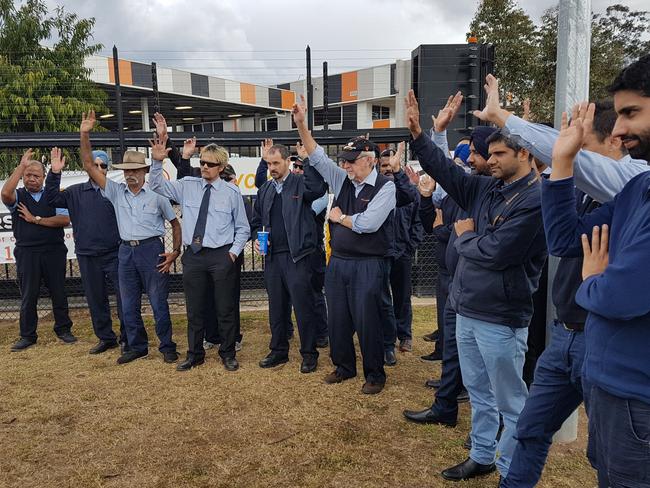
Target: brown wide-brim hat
[[132, 160]]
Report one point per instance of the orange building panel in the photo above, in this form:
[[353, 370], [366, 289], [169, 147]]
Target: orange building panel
[[126, 77], [381, 124], [247, 92], [349, 87], [288, 99]]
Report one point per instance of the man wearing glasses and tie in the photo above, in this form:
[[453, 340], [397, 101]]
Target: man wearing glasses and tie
[[215, 230]]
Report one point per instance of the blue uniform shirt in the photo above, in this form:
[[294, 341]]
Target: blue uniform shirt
[[226, 222], [138, 216]]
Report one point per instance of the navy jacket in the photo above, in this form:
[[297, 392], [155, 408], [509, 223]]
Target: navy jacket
[[618, 300], [298, 193], [91, 214], [407, 228], [446, 254], [501, 261]]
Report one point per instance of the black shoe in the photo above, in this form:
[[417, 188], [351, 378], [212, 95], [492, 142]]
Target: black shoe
[[433, 337], [434, 356], [67, 337], [323, 342], [463, 397], [389, 358], [129, 356], [428, 416], [103, 346], [189, 364], [468, 443], [170, 356], [308, 366], [466, 470], [231, 364], [432, 383], [22, 344], [273, 360], [370, 388]]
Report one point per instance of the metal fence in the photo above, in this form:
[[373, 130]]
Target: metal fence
[[252, 283]]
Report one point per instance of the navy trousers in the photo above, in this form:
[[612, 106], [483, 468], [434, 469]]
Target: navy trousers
[[555, 393], [400, 285], [354, 289], [388, 322], [96, 273], [318, 282], [47, 265], [442, 293], [291, 283]]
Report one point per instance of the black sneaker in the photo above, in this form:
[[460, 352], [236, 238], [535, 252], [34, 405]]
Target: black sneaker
[[170, 356], [129, 356], [67, 337], [22, 344]]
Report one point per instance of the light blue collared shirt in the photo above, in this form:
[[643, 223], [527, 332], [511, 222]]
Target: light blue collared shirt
[[37, 197], [440, 140], [138, 216], [378, 209], [321, 204], [598, 176], [226, 221]]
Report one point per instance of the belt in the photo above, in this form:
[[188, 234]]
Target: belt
[[573, 327], [139, 243]]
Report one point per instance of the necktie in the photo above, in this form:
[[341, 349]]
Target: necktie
[[199, 228]]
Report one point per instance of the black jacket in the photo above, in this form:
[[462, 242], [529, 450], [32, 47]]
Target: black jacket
[[501, 261]]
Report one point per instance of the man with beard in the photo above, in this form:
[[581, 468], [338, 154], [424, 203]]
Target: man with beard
[[143, 264], [615, 240]]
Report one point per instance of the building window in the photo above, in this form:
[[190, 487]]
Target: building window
[[333, 116], [380, 113], [269, 124]]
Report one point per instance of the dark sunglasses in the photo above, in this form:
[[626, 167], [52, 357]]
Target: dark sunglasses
[[103, 165], [298, 166], [209, 164]]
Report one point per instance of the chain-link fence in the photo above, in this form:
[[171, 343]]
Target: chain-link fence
[[252, 283]]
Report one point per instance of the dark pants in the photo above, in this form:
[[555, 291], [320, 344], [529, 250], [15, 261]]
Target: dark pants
[[537, 328], [291, 283], [211, 322], [138, 273], [451, 379], [318, 282], [354, 289], [400, 285], [34, 266], [442, 293], [555, 393], [96, 272], [619, 439], [388, 322], [215, 267]]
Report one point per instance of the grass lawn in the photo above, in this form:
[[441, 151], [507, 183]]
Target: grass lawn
[[68, 419]]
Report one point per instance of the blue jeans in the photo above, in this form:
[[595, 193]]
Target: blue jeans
[[555, 393], [491, 360], [619, 439], [137, 274]]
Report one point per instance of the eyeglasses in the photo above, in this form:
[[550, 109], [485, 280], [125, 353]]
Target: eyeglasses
[[209, 164], [103, 165], [298, 166]]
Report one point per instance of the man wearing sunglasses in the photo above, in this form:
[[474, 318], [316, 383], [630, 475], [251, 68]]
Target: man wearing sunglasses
[[96, 239], [215, 230]]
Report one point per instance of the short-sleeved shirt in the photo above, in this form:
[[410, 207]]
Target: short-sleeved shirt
[[138, 216]]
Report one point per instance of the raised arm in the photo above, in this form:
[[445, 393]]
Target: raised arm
[[169, 189], [53, 194], [261, 175], [87, 124], [9, 188]]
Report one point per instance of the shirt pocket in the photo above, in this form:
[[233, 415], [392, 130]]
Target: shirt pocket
[[151, 215]]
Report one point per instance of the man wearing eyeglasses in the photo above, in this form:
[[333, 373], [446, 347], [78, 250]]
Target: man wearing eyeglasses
[[96, 239], [215, 231]]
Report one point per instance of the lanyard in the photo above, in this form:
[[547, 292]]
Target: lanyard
[[512, 199]]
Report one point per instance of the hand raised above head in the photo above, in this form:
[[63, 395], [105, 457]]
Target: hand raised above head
[[412, 114], [447, 113], [159, 151], [56, 161], [87, 121], [299, 110]]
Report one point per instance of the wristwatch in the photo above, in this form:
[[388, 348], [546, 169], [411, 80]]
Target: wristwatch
[[37, 219], [342, 218]]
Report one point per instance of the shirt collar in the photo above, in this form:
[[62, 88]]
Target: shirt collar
[[507, 190], [90, 185], [371, 179], [144, 188], [215, 183]]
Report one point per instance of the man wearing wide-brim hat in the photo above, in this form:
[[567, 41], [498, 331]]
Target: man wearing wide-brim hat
[[143, 264]]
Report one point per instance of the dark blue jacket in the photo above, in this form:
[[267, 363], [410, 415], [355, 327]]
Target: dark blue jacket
[[92, 215], [298, 193], [617, 331], [501, 261], [446, 254], [407, 228]]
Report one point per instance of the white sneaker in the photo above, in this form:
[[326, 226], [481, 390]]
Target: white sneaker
[[238, 346], [208, 345]]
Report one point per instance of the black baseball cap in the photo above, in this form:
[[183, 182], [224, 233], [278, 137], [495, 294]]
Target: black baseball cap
[[295, 158], [387, 153], [228, 173], [355, 147]]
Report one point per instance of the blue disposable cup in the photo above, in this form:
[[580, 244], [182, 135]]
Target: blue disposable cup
[[263, 239]]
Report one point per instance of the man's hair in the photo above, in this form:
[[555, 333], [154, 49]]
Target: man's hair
[[37, 163], [604, 119], [499, 136], [282, 149], [635, 77], [220, 154]]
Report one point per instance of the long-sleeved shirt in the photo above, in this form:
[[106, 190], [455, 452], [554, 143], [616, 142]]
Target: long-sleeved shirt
[[226, 222], [618, 299], [378, 209], [598, 176]]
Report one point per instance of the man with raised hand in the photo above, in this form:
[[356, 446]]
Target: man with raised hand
[[615, 242], [501, 252], [215, 231], [40, 251], [357, 274], [143, 264]]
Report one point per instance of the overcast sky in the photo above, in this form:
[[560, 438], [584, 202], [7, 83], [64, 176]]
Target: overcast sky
[[263, 41]]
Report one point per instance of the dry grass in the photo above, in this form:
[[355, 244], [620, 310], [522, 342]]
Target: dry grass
[[68, 419]]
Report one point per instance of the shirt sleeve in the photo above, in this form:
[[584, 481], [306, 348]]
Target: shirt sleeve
[[166, 208], [111, 190], [14, 205], [328, 169], [63, 211], [53, 194], [440, 140], [170, 189], [405, 191], [598, 176], [376, 212], [242, 228], [321, 204], [261, 173], [438, 195]]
